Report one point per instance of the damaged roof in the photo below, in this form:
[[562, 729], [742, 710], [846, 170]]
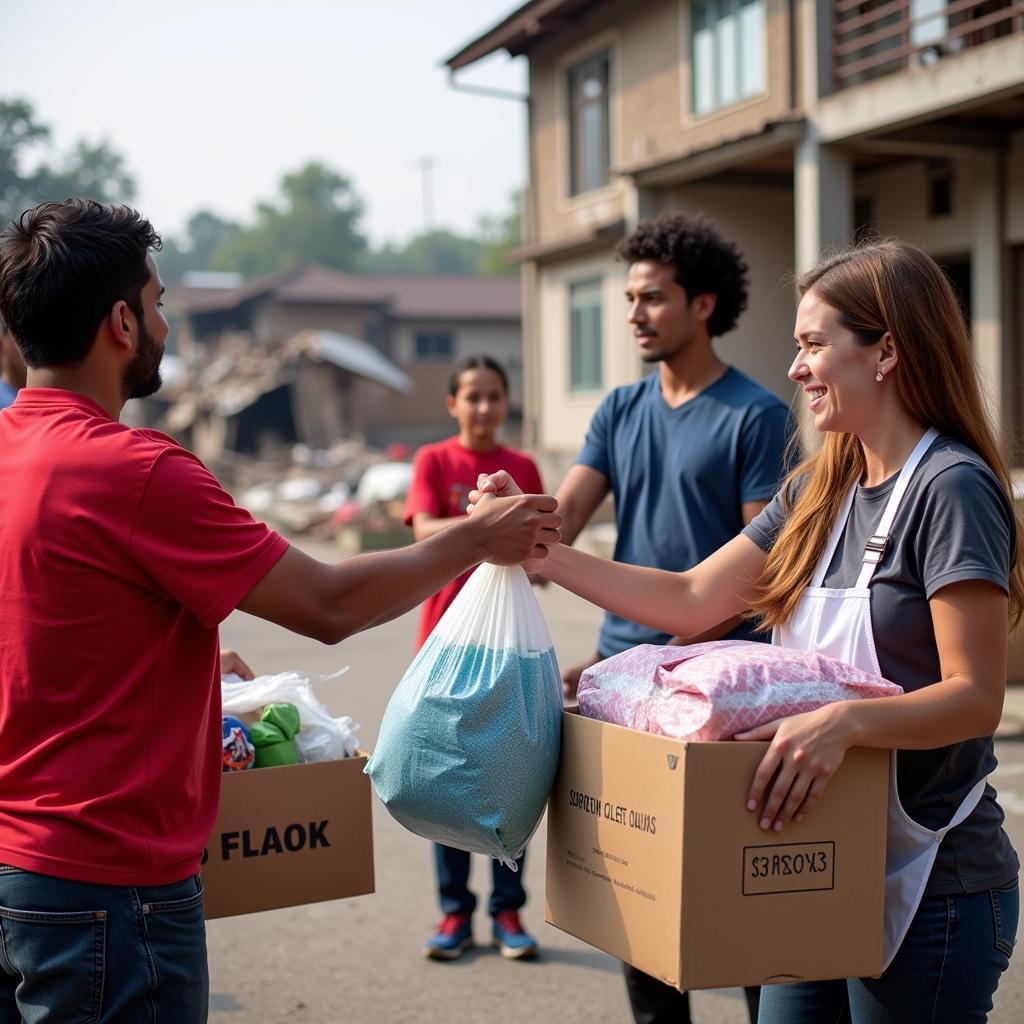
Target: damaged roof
[[349, 354], [242, 372]]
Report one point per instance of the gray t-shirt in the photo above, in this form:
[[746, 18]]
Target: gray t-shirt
[[955, 523]]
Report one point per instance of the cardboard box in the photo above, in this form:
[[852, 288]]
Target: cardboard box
[[291, 835], [653, 858]]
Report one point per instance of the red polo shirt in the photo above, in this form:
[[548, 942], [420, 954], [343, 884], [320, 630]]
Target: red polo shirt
[[119, 555]]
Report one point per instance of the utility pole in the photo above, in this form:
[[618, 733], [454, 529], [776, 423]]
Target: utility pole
[[426, 166]]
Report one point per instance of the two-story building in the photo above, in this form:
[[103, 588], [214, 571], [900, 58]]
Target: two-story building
[[795, 124]]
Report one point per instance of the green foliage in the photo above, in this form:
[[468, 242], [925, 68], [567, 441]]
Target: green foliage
[[317, 220], [439, 252], [444, 252], [499, 236], [205, 233], [91, 170]]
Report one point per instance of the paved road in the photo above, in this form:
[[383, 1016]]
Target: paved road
[[358, 960]]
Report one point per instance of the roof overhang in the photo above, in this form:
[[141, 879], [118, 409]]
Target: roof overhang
[[600, 236], [519, 31], [777, 137]]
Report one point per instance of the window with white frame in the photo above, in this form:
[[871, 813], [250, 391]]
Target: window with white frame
[[728, 54], [585, 371], [589, 137]]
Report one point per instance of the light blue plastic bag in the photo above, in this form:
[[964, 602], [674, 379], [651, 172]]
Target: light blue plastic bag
[[469, 743]]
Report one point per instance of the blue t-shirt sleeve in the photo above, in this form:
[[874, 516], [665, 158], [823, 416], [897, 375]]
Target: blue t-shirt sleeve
[[967, 529], [595, 453], [762, 452]]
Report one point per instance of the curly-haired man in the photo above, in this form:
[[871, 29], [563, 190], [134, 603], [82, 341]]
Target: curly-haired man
[[691, 453]]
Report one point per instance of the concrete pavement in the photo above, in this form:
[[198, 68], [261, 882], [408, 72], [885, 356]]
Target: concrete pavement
[[1012, 723]]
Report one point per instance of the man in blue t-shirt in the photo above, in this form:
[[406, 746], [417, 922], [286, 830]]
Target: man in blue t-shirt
[[691, 453]]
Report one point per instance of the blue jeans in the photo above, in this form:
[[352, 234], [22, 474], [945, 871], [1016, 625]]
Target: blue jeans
[[83, 953], [507, 892], [946, 971]]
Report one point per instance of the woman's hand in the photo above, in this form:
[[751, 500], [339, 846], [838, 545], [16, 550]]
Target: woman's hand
[[500, 484], [805, 752]]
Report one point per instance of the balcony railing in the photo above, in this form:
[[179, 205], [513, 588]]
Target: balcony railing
[[876, 37]]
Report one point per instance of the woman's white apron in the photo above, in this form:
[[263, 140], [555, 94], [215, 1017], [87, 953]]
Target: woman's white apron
[[838, 623]]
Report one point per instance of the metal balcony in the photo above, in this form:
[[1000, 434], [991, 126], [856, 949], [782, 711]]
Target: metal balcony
[[872, 38]]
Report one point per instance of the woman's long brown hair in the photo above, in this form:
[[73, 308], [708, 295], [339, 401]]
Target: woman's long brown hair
[[881, 287]]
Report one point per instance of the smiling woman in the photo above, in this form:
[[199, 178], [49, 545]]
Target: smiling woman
[[896, 550]]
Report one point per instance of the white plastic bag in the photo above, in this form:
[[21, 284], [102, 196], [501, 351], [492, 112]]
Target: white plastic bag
[[469, 743], [320, 738]]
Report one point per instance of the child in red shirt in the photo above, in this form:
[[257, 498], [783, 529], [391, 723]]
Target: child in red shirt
[[443, 475]]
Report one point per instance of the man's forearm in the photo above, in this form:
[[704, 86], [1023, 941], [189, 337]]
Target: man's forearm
[[375, 587]]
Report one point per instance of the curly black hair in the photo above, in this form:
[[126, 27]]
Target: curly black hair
[[705, 263]]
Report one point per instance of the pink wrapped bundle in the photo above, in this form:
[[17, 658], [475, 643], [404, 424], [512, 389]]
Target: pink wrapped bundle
[[714, 690]]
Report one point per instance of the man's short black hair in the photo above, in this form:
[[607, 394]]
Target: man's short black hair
[[62, 267], [705, 263]]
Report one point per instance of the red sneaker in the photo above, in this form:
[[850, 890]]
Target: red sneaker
[[511, 938], [453, 937]]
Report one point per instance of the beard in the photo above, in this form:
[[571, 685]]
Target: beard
[[656, 355], [142, 375]]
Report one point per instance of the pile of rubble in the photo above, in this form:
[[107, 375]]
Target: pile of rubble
[[349, 492]]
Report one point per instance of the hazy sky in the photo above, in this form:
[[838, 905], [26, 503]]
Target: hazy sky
[[210, 102]]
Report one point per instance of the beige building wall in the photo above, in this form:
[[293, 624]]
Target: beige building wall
[[563, 414], [425, 406], [651, 116], [760, 221], [899, 200]]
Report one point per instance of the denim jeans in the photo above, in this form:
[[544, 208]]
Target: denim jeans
[[946, 971], [507, 892], [77, 953]]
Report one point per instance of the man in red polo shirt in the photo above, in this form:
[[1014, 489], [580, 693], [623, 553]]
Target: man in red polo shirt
[[119, 556]]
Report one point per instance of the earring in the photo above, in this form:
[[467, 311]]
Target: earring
[[878, 376]]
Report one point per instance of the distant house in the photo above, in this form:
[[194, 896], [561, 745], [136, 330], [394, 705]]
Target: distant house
[[795, 124], [433, 321], [288, 356]]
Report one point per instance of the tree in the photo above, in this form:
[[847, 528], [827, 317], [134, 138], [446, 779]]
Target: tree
[[436, 252], [92, 170], [317, 220], [444, 252], [18, 131], [205, 233], [499, 236]]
